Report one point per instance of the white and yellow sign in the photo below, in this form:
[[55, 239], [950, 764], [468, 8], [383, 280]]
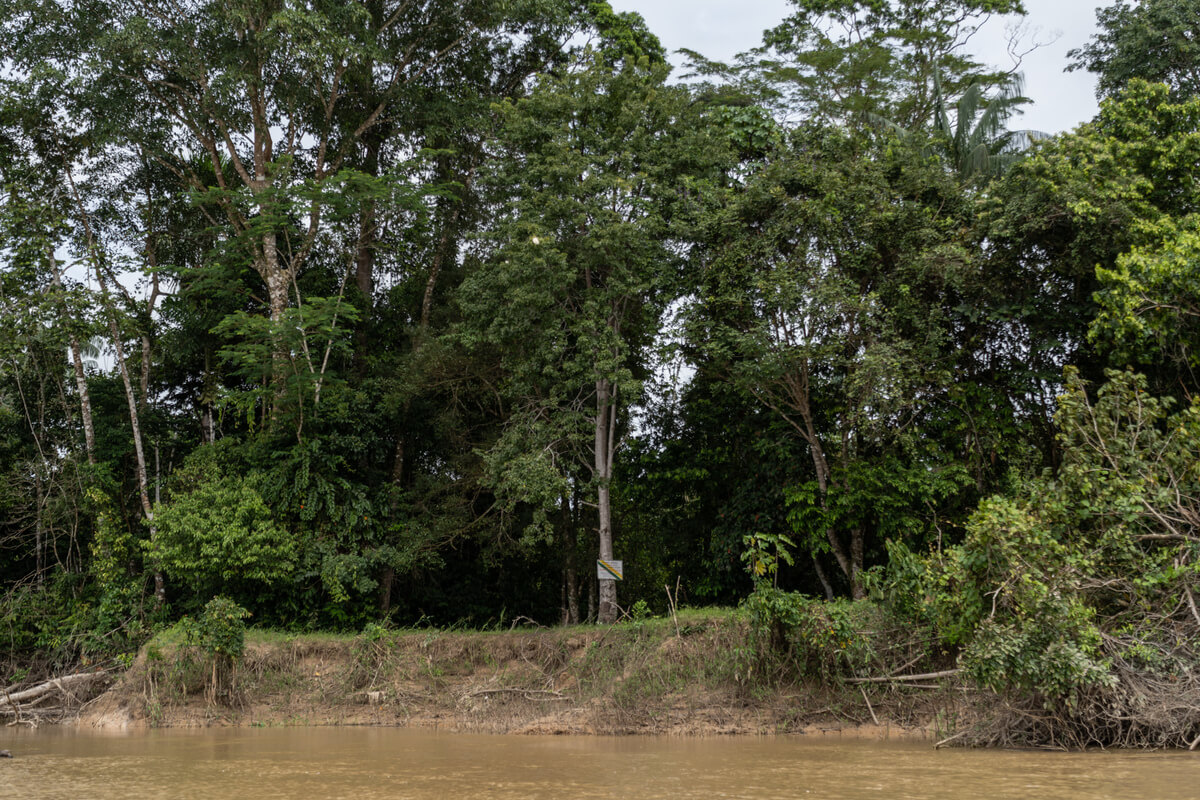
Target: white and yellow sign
[[608, 570]]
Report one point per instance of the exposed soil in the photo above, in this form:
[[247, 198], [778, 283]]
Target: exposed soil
[[631, 679]]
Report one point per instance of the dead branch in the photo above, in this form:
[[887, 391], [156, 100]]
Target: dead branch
[[528, 694], [59, 684], [924, 676]]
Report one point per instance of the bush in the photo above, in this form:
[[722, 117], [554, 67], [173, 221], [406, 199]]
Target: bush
[[219, 633], [1075, 599], [217, 532], [813, 638]]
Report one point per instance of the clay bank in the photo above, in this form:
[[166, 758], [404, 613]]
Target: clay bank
[[696, 676]]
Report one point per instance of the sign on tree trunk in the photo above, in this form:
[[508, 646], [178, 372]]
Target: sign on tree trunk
[[608, 570]]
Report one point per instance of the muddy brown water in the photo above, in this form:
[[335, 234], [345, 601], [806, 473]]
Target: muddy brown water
[[366, 763]]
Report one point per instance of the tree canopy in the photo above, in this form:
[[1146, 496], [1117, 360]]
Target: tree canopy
[[382, 311]]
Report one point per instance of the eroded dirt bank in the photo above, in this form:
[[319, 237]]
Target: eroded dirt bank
[[637, 678]]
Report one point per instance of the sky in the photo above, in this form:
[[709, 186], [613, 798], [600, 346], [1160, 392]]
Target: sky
[[720, 28]]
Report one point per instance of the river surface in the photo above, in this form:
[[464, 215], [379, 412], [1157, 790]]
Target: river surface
[[366, 763]]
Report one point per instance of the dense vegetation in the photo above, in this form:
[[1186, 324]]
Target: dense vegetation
[[409, 311]]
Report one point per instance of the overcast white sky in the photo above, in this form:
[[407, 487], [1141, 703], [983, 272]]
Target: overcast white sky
[[721, 28]]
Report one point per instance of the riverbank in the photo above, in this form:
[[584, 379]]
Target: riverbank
[[695, 677]]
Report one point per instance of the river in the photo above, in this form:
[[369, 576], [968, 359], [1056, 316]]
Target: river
[[366, 763]]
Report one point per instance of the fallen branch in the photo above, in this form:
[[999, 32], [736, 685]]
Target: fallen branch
[[864, 694], [61, 684], [1187, 591], [949, 739], [528, 694], [671, 601], [31, 716], [924, 676]]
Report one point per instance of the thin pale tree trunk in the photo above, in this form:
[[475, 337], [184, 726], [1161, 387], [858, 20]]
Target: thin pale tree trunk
[[85, 401], [606, 407], [130, 395]]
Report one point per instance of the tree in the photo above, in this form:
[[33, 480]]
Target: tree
[[217, 536], [272, 99], [825, 294], [1074, 597], [850, 60], [1079, 221], [978, 143], [575, 286], [1154, 40]]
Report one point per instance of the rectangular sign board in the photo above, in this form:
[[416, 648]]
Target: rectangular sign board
[[608, 570]]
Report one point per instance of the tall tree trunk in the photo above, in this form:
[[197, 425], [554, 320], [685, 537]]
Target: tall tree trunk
[[85, 401], [606, 407], [570, 571], [39, 544], [447, 250], [208, 393], [123, 368], [81, 386], [386, 581], [134, 424], [144, 375], [277, 280], [825, 584], [857, 590], [364, 256], [850, 563]]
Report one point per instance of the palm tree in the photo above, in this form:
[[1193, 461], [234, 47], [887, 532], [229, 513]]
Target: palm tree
[[978, 142], [974, 142]]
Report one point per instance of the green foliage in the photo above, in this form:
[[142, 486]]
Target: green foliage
[[624, 36], [417, 327], [216, 531], [978, 143], [1076, 232], [220, 630], [640, 611], [218, 635], [706, 470], [1010, 592], [824, 298], [314, 333], [1150, 301], [763, 554], [891, 496], [1058, 590], [849, 60], [116, 553], [1151, 40], [809, 637]]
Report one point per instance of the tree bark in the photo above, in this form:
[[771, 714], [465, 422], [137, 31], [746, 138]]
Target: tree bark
[[570, 573], [825, 584], [39, 544], [606, 406], [386, 581], [364, 256], [208, 427], [850, 563], [856, 564], [54, 684], [85, 401]]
